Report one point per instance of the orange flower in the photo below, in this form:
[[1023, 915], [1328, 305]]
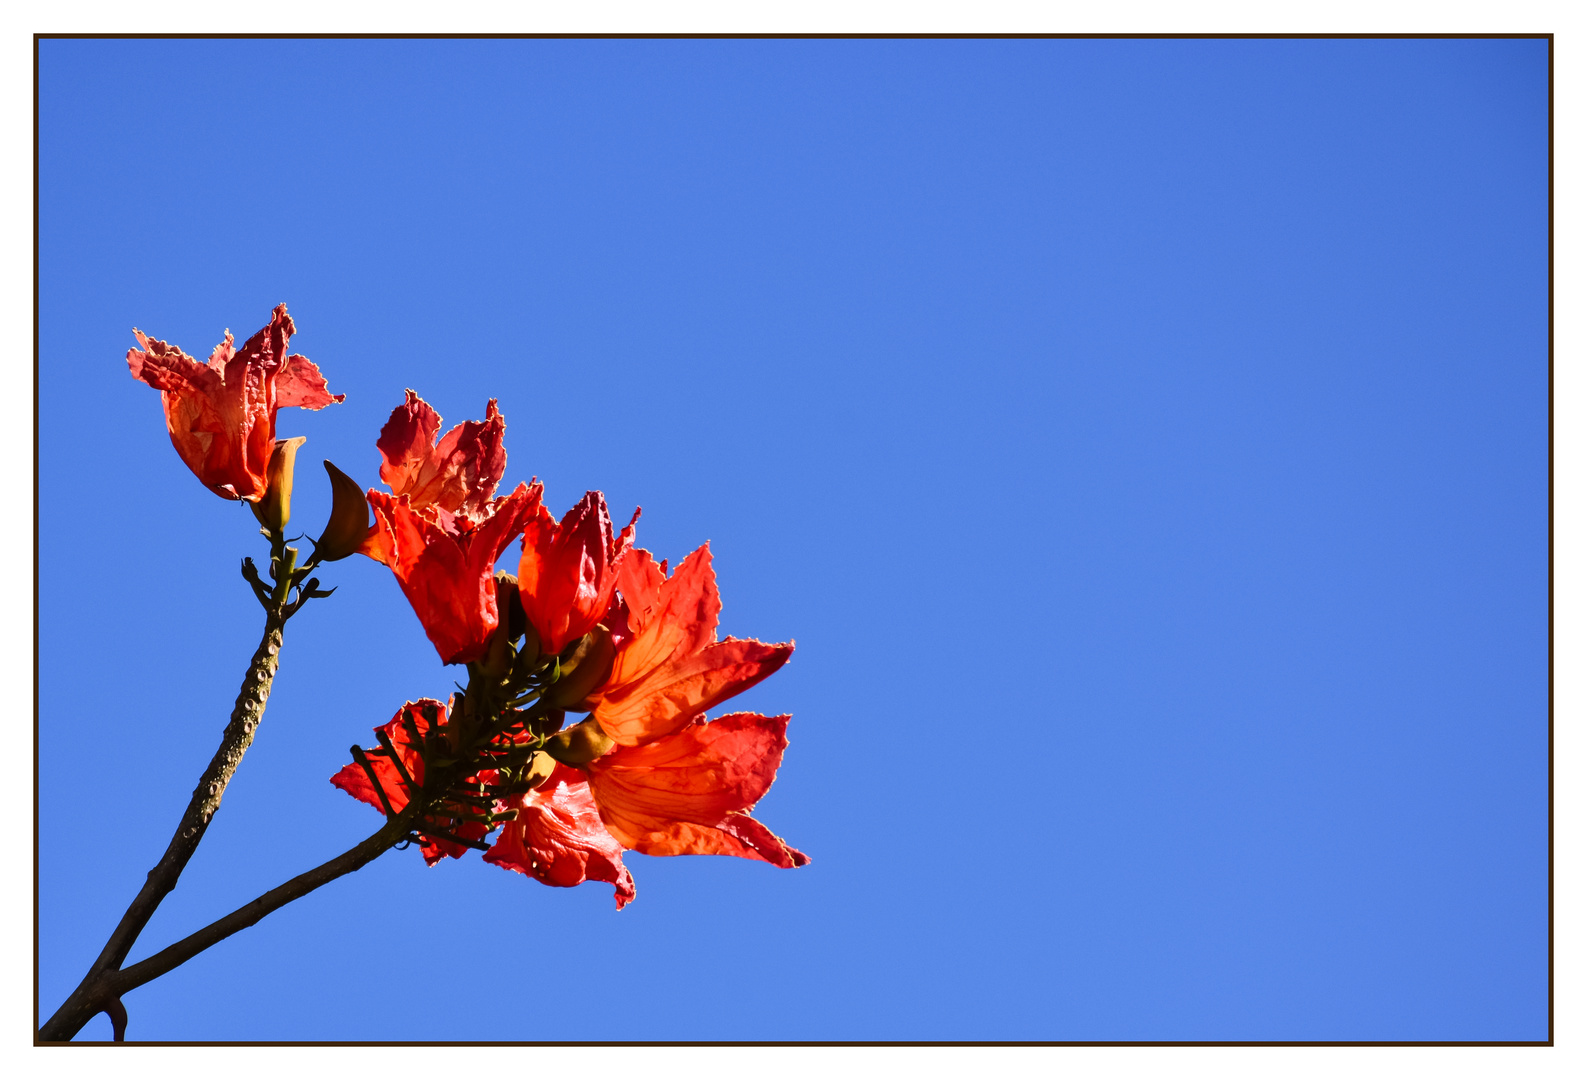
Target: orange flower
[[457, 474], [558, 838], [673, 783], [568, 571], [222, 414], [440, 531], [670, 668], [690, 792]]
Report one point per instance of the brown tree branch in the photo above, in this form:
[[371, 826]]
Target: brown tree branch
[[98, 991], [246, 714]]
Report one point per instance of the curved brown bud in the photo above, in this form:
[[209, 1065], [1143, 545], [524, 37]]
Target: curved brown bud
[[274, 510], [579, 744], [540, 769], [585, 671], [509, 608], [498, 658], [349, 522], [547, 723]]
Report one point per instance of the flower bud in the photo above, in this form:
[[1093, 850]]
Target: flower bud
[[529, 651], [509, 608], [579, 744], [547, 723], [275, 508], [540, 769], [585, 671], [497, 661], [349, 522]]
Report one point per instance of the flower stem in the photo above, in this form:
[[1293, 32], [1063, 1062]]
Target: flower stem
[[84, 1003]]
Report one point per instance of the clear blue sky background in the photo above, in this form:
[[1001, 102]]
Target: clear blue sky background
[[1144, 441]]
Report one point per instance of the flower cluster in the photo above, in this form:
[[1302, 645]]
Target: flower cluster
[[589, 624]]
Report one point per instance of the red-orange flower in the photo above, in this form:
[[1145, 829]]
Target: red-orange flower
[[440, 531], [568, 571], [456, 474], [222, 414], [674, 784], [355, 781], [670, 668], [690, 792], [558, 838]]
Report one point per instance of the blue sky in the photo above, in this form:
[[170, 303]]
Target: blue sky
[[1144, 441]]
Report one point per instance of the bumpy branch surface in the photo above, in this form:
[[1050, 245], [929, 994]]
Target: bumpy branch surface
[[245, 717], [90, 997]]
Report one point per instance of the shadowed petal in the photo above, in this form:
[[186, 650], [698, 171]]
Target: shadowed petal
[[558, 838], [355, 781]]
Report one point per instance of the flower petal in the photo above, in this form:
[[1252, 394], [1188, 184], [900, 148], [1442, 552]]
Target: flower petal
[[299, 383], [671, 696], [406, 440], [569, 570], [687, 794], [558, 838], [459, 474], [166, 367], [668, 617], [445, 571]]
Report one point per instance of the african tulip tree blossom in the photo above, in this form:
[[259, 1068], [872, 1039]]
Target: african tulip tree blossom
[[669, 667], [569, 569], [646, 771], [674, 784], [458, 473], [440, 531], [557, 838], [590, 624], [222, 413], [690, 792]]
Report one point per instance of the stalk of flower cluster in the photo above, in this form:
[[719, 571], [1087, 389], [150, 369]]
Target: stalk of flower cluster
[[97, 992], [114, 983], [400, 827], [107, 981]]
